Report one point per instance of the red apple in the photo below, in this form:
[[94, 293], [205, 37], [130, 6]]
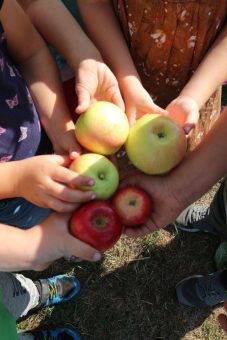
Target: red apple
[[133, 205], [97, 224]]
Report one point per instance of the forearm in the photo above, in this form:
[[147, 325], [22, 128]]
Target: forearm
[[8, 171], [60, 29], [108, 37], [42, 76], [14, 250], [210, 74], [203, 167]]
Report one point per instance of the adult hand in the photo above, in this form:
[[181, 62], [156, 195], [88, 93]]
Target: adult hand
[[95, 81], [45, 181], [165, 207], [184, 111]]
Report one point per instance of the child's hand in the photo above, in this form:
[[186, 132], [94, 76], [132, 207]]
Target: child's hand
[[51, 240], [165, 207], [44, 181], [184, 111], [64, 140], [137, 100], [95, 81]]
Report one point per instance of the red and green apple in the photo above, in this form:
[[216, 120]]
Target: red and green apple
[[97, 224], [103, 128], [133, 205]]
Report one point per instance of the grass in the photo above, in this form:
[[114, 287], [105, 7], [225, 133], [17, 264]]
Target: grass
[[130, 294]]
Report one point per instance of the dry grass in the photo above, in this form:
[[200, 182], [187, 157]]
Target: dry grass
[[130, 294]]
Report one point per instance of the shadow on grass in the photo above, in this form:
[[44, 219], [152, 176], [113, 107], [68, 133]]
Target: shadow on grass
[[137, 299]]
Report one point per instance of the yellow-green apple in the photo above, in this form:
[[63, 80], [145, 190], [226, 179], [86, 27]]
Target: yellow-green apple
[[155, 144], [103, 128], [99, 168], [133, 205]]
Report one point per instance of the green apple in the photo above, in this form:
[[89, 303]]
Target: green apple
[[155, 144], [102, 129], [99, 168]]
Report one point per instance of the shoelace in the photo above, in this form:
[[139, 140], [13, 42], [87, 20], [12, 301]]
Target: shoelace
[[53, 290], [208, 290], [198, 213], [17, 287]]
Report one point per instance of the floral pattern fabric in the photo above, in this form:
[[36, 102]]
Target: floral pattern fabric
[[168, 40]]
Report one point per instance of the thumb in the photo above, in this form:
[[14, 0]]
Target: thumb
[[190, 121], [159, 110], [63, 160], [84, 99], [80, 249], [117, 100]]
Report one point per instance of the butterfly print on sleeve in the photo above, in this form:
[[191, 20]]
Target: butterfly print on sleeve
[[12, 102]]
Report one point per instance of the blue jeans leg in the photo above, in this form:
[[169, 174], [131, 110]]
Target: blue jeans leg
[[20, 213]]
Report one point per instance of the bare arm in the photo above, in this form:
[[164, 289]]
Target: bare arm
[[108, 37], [39, 71], [112, 45], [61, 30], [94, 80], [36, 248], [210, 74]]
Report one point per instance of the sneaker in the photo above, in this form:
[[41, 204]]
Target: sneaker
[[57, 289], [201, 291], [195, 218], [54, 334]]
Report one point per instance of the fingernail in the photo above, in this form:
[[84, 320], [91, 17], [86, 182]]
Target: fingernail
[[91, 182], [188, 128], [74, 154], [97, 256], [93, 196]]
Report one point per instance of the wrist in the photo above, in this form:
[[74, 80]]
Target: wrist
[[9, 183], [86, 55], [129, 81], [189, 94]]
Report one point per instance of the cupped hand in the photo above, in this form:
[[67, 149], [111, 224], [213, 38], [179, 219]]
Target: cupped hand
[[138, 101], [95, 81], [165, 206], [45, 181], [51, 241], [63, 139], [184, 110]]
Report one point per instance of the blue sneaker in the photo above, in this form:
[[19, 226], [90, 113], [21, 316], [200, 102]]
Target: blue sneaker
[[56, 334], [57, 289]]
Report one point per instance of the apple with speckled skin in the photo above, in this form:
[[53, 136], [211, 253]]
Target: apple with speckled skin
[[155, 144], [101, 170], [103, 128]]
